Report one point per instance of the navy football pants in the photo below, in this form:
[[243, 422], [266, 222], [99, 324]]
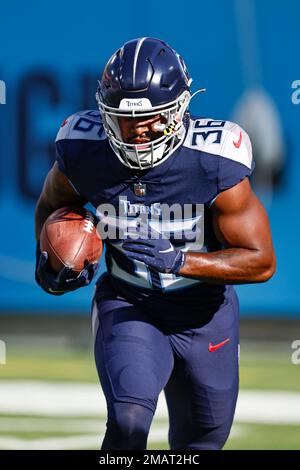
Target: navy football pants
[[197, 368]]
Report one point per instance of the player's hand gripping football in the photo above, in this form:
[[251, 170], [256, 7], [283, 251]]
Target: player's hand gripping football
[[60, 283], [154, 249]]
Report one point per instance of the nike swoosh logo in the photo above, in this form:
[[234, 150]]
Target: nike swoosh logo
[[64, 123], [214, 347], [238, 143], [168, 250]]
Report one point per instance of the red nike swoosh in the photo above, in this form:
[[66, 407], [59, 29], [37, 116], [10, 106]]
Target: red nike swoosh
[[238, 143], [214, 347]]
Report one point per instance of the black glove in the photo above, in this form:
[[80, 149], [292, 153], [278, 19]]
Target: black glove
[[60, 283]]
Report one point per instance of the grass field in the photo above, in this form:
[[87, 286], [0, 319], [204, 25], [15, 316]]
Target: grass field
[[261, 370]]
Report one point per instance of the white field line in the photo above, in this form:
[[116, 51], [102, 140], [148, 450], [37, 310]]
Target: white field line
[[156, 435], [69, 425], [66, 443], [71, 442], [77, 399]]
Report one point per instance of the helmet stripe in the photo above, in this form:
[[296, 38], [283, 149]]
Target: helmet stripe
[[136, 53]]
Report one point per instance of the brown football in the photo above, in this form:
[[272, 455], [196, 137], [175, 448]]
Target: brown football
[[70, 238]]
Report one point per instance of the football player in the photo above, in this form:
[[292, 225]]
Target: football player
[[165, 314]]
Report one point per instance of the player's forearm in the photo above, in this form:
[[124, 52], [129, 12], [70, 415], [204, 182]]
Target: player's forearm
[[42, 212], [57, 192], [229, 266]]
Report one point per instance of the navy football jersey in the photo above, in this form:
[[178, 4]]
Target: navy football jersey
[[215, 155]]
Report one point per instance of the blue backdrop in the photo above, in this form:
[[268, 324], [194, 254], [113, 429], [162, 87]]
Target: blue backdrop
[[51, 55]]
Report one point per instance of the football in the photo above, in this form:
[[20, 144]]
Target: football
[[70, 238]]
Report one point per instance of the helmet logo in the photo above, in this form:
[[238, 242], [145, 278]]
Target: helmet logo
[[135, 103], [130, 103]]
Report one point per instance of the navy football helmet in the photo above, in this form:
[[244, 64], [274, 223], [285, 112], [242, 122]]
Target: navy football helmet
[[145, 78]]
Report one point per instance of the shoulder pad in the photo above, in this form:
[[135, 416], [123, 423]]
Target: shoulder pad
[[85, 125], [222, 138]]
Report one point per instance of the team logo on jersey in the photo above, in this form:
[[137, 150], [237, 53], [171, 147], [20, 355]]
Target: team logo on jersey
[[132, 210], [181, 222]]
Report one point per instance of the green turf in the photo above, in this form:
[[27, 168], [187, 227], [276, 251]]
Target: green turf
[[265, 437], [60, 365], [269, 371], [258, 437], [258, 369]]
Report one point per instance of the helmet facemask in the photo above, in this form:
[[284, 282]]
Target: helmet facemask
[[170, 130]]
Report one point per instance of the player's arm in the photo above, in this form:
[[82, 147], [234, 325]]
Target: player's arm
[[241, 225], [57, 192]]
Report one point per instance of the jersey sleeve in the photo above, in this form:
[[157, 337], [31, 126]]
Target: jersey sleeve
[[80, 136], [76, 133], [61, 144], [235, 158], [65, 150]]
